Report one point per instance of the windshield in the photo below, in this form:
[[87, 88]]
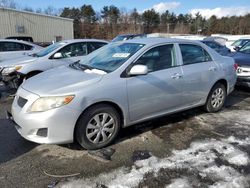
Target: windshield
[[49, 49], [240, 42], [110, 57], [245, 49], [237, 43]]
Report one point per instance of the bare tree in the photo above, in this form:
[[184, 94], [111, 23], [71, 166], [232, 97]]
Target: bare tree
[[50, 10], [28, 9], [8, 4], [39, 10]]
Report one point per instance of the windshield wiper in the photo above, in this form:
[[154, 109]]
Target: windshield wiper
[[78, 66], [33, 55], [85, 66], [74, 65]]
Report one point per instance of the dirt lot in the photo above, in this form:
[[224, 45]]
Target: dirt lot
[[192, 149]]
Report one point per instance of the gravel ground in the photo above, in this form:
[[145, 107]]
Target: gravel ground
[[160, 142]]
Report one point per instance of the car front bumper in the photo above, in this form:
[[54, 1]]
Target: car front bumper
[[54, 126], [13, 80]]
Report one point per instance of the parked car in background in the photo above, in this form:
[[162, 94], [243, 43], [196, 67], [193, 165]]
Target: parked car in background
[[128, 37], [221, 40], [61, 53], [43, 44], [23, 38], [238, 44], [119, 85], [10, 49], [222, 50], [30, 39], [242, 58]]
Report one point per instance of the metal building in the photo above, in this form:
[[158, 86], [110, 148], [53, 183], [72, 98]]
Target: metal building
[[42, 28]]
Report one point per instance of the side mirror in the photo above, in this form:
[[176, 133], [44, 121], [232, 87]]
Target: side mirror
[[138, 70], [57, 55]]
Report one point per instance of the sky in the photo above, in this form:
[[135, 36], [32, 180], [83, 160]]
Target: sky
[[206, 7]]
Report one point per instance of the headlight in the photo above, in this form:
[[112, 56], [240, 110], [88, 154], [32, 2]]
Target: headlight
[[47, 103], [8, 70]]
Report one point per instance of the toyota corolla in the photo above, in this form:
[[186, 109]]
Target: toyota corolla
[[119, 85]]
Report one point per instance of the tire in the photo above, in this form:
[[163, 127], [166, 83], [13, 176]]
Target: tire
[[216, 98], [88, 129]]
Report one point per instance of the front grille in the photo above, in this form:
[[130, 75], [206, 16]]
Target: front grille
[[21, 101]]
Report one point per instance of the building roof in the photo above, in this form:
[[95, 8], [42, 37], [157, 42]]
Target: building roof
[[34, 13]]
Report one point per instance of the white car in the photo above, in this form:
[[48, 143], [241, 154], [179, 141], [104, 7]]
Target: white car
[[10, 49], [61, 53]]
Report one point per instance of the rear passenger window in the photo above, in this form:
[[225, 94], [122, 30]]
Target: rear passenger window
[[193, 54], [1, 47], [158, 58], [11, 46]]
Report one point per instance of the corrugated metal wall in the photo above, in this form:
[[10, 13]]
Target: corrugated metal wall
[[42, 28]]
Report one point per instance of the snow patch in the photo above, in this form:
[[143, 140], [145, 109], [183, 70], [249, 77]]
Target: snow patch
[[179, 183], [242, 142], [238, 182], [239, 116], [201, 157]]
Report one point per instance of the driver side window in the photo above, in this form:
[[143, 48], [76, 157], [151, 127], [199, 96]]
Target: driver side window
[[158, 58], [74, 50]]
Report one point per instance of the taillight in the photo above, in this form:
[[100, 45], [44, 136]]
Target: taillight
[[236, 66]]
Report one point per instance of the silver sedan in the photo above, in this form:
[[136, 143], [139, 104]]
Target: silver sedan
[[119, 85]]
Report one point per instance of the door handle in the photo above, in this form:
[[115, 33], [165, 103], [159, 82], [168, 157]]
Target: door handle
[[176, 76], [212, 69]]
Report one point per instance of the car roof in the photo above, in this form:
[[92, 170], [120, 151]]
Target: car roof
[[83, 40], [19, 37], [129, 35], [154, 41], [19, 41]]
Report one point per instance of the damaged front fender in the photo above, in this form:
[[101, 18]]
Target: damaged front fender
[[13, 80]]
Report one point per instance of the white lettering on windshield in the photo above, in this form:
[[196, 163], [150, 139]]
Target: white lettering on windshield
[[121, 55]]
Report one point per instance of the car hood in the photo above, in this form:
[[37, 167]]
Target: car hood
[[18, 61], [241, 58], [61, 80]]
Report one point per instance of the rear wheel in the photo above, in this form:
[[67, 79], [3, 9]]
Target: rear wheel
[[216, 98], [98, 127]]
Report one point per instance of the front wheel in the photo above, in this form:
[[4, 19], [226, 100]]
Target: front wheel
[[216, 98], [98, 127]]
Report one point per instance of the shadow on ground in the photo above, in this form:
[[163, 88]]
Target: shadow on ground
[[12, 144]]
